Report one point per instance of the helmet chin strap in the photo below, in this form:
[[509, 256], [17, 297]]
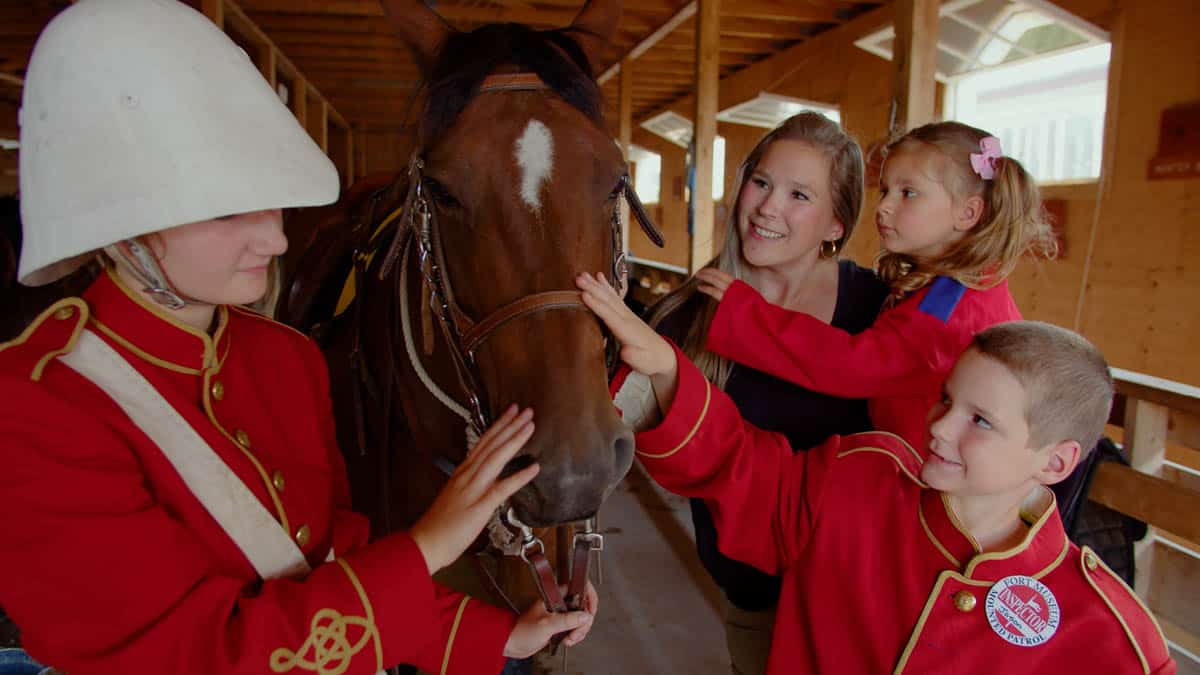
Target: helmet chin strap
[[141, 261]]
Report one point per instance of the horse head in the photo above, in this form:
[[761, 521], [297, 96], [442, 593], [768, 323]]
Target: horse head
[[523, 183]]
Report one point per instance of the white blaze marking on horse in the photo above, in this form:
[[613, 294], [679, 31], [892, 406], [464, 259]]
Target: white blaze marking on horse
[[534, 151]]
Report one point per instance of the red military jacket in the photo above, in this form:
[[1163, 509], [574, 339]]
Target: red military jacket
[[899, 363], [109, 564], [878, 576]]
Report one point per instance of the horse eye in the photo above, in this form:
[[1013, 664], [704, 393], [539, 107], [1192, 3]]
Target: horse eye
[[440, 195]]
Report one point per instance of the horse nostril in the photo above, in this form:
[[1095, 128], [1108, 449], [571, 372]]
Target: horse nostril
[[623, 445], [516, 464]]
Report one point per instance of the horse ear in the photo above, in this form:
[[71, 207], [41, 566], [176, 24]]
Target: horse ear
[[595, 24], [420, 28]]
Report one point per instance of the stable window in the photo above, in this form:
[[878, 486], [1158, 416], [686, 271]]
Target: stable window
[[1028, 72], [1049, 113], [648, 172]]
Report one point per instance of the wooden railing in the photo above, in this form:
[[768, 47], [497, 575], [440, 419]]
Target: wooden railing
[[311, 109], [1159, 424]]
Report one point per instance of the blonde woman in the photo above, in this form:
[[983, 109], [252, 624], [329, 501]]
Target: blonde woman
[[799, 194]]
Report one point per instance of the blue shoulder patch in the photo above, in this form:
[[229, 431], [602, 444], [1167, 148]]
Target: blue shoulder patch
[[943, 296]]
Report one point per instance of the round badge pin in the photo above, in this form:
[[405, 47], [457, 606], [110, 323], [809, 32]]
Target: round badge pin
[[1022, 611]]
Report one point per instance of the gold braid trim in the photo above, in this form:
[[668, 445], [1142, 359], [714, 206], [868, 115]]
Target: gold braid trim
[[328, 650]]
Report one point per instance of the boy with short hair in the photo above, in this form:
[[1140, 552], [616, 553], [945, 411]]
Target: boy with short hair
[[955, 563]]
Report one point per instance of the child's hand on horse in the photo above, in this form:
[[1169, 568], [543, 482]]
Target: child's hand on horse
[[644, 350], [714, 282], [468, 500], [536, 626]]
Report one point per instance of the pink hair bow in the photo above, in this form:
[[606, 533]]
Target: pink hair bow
[[984, 162]]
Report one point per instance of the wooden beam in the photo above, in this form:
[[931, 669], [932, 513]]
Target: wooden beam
[[1156, 501], [779, 11], [304, 38], [914, 56], [732, 45], [683, 14], [324, 24], [12, 79], [299, 102], [398, 55], [322, 126], [336, 119], [267, 64], [344, 7], [350, 175], [236, 18], [535, 17], [708, 34], [1174, 395], [215, 11], [738, 27], [749, 82], [655, 143]]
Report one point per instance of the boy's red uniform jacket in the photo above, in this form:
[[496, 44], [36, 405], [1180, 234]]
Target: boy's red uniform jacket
[[109, 564], [878, 576]]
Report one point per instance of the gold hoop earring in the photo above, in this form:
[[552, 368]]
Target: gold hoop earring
[[829, 248]]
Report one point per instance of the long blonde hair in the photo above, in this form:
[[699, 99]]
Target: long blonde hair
[[846, 183], [1012, 223]]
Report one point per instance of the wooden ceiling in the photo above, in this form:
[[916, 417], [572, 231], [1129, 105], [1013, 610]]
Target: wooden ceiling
[[347, 50]]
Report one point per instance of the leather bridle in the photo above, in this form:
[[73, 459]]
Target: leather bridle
[[418, 230]]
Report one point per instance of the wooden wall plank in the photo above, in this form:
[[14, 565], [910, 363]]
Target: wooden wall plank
[[1150, 498], [1139, 300]]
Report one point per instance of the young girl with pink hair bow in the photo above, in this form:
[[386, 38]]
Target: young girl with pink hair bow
[[954, 217]]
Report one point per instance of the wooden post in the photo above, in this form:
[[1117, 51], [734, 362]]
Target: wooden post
[[360, 151], [350, 174], [300, 100], [1146, 441], [266, 64], [704, 131], [214, 10], [915, 58], [322, 130], [625, 114]]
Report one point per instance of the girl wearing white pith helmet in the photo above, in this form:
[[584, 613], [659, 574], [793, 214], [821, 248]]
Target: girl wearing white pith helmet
[[174, 500]]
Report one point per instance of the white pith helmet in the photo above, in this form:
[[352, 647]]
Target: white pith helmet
[[140, 115]]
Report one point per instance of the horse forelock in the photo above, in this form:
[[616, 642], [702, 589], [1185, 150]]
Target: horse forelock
[[467, 58]]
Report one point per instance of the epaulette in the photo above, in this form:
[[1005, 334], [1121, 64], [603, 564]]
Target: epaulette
[[888, 445], [243, 311], [943, 296], [1138, 622], [51, 334]]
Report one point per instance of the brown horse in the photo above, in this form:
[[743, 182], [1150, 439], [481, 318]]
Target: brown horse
[[470, 259]]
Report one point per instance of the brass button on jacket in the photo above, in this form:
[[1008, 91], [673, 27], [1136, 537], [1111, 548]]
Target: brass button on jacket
[[217, 390], [964, 601], [302, 535], [243, 438], [1089, 559], [277, 480], [64, 313]]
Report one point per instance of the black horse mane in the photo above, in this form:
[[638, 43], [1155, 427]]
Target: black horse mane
[[467, 58]]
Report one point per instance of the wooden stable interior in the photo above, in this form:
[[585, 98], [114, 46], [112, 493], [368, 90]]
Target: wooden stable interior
[[1124, 282]]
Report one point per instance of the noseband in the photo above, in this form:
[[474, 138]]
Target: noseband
[[418, 228]]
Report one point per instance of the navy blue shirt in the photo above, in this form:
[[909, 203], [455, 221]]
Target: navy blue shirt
[[805, 417]]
